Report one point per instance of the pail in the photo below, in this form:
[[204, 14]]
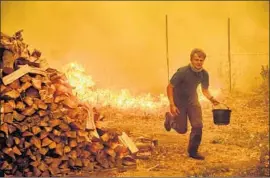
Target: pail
[[221, 116]]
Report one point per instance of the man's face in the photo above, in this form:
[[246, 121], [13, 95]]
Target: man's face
[[197, 61]]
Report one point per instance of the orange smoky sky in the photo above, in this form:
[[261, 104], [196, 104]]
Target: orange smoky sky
[[122, 44]]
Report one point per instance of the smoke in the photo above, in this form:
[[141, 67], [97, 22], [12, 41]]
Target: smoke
[[122, 44]]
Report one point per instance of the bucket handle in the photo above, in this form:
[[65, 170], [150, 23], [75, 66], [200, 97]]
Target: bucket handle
[[221, 103]]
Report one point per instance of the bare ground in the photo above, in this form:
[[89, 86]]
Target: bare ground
[[238, 149]]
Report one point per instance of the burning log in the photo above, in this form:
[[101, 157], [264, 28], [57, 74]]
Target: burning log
[[48, 131]]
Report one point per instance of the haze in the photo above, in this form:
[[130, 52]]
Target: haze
[[122, 44]]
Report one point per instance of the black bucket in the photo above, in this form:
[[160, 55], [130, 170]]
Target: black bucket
[[222, 116]]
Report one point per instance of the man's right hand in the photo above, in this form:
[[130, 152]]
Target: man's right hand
[[174, 110]]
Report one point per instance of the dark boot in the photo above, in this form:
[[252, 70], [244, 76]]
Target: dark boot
[[194, 143], [197, 156], [167, 122]]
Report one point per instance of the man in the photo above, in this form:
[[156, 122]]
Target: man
[[183, 98]]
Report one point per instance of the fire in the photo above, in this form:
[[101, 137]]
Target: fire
[[84, 88]]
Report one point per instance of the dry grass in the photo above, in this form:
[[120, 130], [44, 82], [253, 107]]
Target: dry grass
[[239, 149]]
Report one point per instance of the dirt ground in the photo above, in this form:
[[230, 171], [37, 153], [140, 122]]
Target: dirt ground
[[238, 149]]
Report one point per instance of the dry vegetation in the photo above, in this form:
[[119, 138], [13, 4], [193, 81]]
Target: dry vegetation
[[239, 149]]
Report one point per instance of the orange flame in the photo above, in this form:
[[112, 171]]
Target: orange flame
[[84, 89]]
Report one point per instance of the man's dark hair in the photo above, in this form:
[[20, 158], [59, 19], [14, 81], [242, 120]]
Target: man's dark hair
[[198, 51]]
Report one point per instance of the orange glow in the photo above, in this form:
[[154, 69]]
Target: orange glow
[[85, 90]]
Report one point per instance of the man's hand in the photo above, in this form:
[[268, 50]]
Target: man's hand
[[174, 110], [214, 101]]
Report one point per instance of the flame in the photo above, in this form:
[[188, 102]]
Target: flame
[[84, 88]]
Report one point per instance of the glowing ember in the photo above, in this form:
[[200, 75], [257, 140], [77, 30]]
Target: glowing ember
[[123, 100]]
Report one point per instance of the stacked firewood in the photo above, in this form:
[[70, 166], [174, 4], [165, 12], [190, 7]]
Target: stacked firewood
[[45, 130]]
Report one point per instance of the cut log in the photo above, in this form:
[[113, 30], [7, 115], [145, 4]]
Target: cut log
[[43, 113], [11, 128], [52, 145], [27, 144], [101, 158], [36, 83], [57, 114], [8, 58], [73, 143], [29, 111], [23, 128], [46, 142], [128, 142], [85, 154], [73, 154], [5, 166], [15, 84], [12, 103], [13, 94], [96, 146], [75, 126], [51, 136], [53, 106], [43, 123], [16, 150], [25, 86], [48, 129], [71, 134], [18, 117], [48, 160], [9, 152], [145, 146], [20, 106], [40, 104], [7, 108], [81, 139], [26, 78], [64, 127], [32, 92], [43, 151], [8, 118], [54, 122], [59, 149], [78, 163], [16, 140], [64, 165], [43, 134], [20, 72], [70, 102], [27, 134], [35, 141], [42, 166], [60, 98], [110, 152], [36, 130], [4, 128], [67, 149], [105, 137], [90, 123], [28, 100]]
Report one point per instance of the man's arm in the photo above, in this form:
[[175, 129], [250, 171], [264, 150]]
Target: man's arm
[[207, 94], [170, 94], [174, 110]]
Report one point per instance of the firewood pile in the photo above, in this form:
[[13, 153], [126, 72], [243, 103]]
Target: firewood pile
[[45, 130]]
